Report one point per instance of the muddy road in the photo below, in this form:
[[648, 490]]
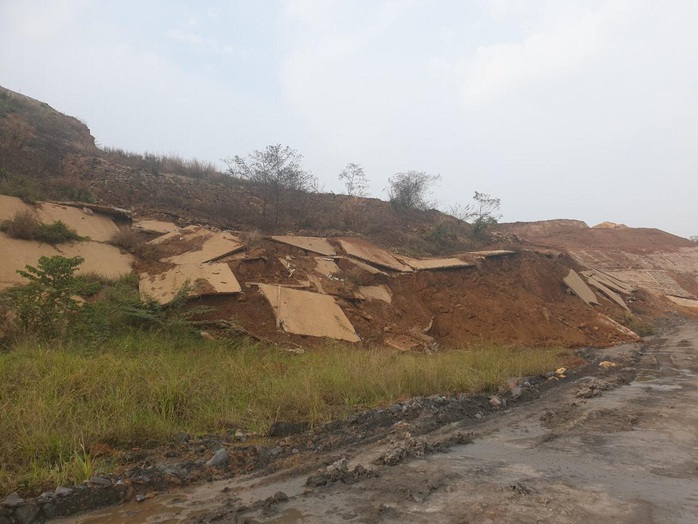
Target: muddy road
[[611, 444]]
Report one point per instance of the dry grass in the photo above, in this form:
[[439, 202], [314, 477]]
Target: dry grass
[[127, 238], [252, 238], [140, 389], [22, 225], [25, 225], [149, 252]]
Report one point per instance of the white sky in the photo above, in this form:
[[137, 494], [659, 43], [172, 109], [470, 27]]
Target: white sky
[[562, 109]]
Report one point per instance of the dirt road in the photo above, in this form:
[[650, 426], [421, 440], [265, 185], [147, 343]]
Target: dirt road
[[605, 448]]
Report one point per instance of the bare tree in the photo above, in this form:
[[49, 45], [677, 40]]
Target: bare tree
[[410, 189], [354, 179], [277, 169], [483, 212]]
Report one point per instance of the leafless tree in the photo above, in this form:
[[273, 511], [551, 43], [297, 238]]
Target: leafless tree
[[354, 179], [483, 212]]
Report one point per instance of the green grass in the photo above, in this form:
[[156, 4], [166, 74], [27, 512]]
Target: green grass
[[26, 225], [59, 399]]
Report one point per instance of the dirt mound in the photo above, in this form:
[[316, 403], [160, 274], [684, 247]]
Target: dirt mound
[[610, 225], [573, 234], [518, 299]]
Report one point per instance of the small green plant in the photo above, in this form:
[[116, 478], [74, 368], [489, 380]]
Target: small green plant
[[637, 325], [442, 236], [46, 304]]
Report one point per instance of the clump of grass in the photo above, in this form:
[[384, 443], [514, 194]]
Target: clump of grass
[[637, 325], [149, 252], [252, 238], [22, 225], [25, 225], [141, 388], [56, 233], [127, 238]]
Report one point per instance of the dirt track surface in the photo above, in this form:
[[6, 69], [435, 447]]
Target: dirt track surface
[[608, 446]]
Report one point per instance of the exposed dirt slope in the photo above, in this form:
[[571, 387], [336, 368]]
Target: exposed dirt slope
[[516, 300], [574, 234]]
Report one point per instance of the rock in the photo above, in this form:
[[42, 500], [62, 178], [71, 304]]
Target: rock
[[340, 465], [99, 481], [62, 491], [478, 416], [49, 510], [139, 498], [27, 513], [12, 500], [516, 392], [219, 459], [495, 402], [280, 496], [45, 496]]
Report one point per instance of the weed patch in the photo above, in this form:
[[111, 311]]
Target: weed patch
[[22, 225], [143, 387], [25, 225], [127, 238], [637, 325]]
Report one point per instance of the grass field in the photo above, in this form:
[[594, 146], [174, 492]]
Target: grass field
[[140, 389]]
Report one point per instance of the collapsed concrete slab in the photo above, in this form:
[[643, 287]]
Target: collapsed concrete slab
[[96, 227], [204, 279], [423, 264], [198, 245], [685, 302], [313, 244], [580, 288], [364, 250], [326, 267], [364, 266], [608, 292], [154, 226], [306, 313], [91, 225], [103, 259], [491, 253], [376, 293], [659, 282], [609, 281], [111, 211]]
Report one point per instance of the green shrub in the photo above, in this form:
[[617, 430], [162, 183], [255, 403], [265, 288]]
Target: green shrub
[[637, 325], [46, 305], [56, 233]]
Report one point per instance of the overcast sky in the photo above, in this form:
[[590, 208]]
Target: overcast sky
[[562, 109]]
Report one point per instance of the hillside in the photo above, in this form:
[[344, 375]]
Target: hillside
[[366, 267], [48, 155]]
